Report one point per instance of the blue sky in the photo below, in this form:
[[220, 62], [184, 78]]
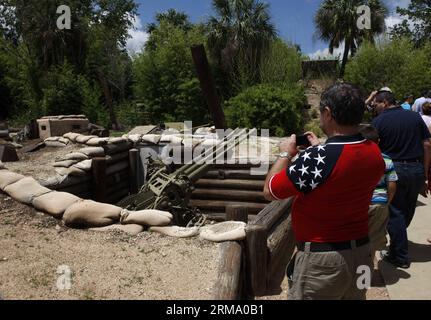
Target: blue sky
[[292, 18]]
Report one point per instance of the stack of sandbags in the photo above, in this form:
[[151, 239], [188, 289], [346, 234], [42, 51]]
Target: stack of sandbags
[[25, 190], [56, 142], [55, 203]]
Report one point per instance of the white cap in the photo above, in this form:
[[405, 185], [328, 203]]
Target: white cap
[[386, 89]]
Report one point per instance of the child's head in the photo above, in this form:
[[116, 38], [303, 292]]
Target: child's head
[[370, 133], [426, 108]]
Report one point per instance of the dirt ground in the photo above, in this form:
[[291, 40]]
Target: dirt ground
[[103, 265], [39, 164]]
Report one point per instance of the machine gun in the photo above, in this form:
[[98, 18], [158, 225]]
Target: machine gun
[[172, 192]]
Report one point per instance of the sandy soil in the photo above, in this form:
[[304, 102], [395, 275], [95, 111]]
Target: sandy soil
[[39, 164], [104, 265]]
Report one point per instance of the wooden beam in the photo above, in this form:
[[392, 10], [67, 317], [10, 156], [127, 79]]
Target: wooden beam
[[99, 179], [227, 285], [237, 213], [232, 174], [272, 213], [281, 245], [256, 260], [133, 165], [208, 86], [231, 184], [220, 206], [229, 194]]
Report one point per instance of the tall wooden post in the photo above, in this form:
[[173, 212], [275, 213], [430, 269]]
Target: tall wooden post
[[208, 86], [133, 165], [99, 179]]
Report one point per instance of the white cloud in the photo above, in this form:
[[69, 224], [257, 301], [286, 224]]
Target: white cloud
[[138, 37], [391, 21], [323, 54]]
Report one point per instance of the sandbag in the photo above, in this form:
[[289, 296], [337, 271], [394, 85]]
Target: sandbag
[[172, 140], [83, 139], [71, 136], [132, 229], [8, 177], [55, 203], [54, 144], [84, 165], [146, 217], [151, 138], [63, 140], [89, 214], [225, 231], [95, 142], [135, 138], [53, 139], [65, 163], [176, 232], [75, 156], [93, 152], [25, 190]]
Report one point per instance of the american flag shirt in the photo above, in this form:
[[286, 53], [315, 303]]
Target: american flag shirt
[[333, 185]]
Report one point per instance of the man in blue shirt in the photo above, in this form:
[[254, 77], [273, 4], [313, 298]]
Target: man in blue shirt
[[404, 138]]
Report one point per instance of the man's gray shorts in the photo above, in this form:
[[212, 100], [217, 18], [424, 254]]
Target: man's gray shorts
[[329, 275]]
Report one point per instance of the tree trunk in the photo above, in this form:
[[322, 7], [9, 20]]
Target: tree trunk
[[108, 101], [347, 46]]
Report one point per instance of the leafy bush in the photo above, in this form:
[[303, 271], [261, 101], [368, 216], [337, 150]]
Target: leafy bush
[[267, 107], [396, 64]]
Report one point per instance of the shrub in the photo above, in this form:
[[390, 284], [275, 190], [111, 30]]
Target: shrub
[[267, 107], [396, 64]]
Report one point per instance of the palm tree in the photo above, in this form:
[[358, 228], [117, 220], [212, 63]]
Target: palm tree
[[241, 30], [336, 22]]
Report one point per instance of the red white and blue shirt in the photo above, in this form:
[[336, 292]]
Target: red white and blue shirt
[[333, 185]]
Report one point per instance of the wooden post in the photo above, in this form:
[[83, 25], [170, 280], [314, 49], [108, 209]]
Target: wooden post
[[133, 159], [208, 86], [237, 213], [227, 286], [99, 179], [257, 260]]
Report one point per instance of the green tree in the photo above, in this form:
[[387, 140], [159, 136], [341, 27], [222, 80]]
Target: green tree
[[165, 79], [281, 65], [336, 22], [239, 36], [417, 23], [396, 64]]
